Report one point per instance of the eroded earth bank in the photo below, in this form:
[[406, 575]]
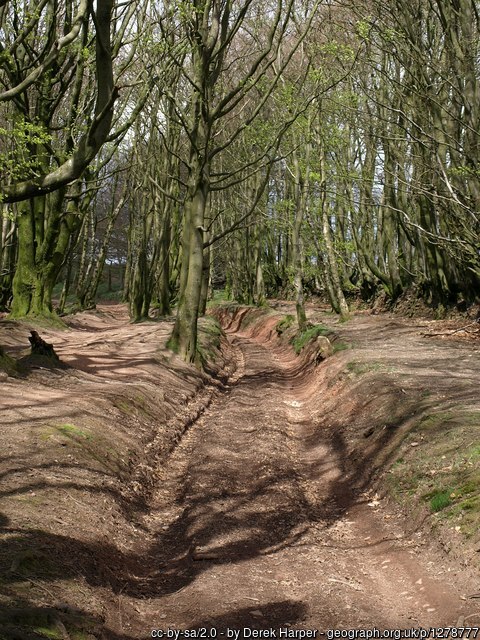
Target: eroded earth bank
[[275, 491]]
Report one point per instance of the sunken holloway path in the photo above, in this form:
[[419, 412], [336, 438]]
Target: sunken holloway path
[[254, 528]]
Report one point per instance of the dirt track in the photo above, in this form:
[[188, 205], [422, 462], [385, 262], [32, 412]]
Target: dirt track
[[257, 528], [258, 519]]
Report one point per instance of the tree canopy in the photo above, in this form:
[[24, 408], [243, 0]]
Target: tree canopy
[[293, 148]]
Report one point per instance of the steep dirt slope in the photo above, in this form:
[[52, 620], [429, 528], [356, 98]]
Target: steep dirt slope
[[81, 445]]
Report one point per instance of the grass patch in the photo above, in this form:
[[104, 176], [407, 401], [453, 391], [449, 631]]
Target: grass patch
[[398, 462], [125, 407], [45, 622], [474, 452], [433, 421], [440, 500], [470, 504], [90, 442], [106, 293], [52, 633], [426, 393], [116, 296], [443, 469], [284, 324], [71, 431], [360, 368], [340, 346], [133, 406], [219, 296], [301, 339]]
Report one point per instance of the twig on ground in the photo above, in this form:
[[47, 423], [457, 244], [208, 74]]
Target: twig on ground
[[453, 331], [35, 583], [347, 584], [472, 615], [81, 504]]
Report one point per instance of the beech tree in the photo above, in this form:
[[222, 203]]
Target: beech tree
[[231, 49], [60, 28], [277, 147], [393, 201], [57, 69]]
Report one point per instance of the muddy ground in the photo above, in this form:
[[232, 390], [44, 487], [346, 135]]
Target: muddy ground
[[275, 491]]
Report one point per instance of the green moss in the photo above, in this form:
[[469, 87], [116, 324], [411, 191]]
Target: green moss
[[210, 328], [340, 346], [52, 633], [47, 320], [7, 363], [209, 341], [172, 344]]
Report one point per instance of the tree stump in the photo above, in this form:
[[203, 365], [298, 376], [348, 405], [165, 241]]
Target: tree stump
[[40, 347]]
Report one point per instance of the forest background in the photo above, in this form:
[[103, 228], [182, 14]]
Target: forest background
[[165, 150]]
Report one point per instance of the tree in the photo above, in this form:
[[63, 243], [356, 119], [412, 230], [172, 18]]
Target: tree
[[61, 105], [49, 72], [424, 97], [220, 84]]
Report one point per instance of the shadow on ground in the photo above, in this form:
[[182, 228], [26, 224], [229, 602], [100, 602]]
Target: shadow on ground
[[35, 560]]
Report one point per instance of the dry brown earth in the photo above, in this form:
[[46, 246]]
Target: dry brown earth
[[138, 493]]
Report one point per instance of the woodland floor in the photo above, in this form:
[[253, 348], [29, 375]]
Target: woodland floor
[[138, 493]]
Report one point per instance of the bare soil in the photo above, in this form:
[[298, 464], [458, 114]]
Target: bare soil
[[140, 493]]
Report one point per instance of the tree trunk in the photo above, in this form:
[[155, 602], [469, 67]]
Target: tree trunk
[[332, 267], [42, 248], [260, 297], [163, 277], [184, 336], [205, 281], [301, 191]]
